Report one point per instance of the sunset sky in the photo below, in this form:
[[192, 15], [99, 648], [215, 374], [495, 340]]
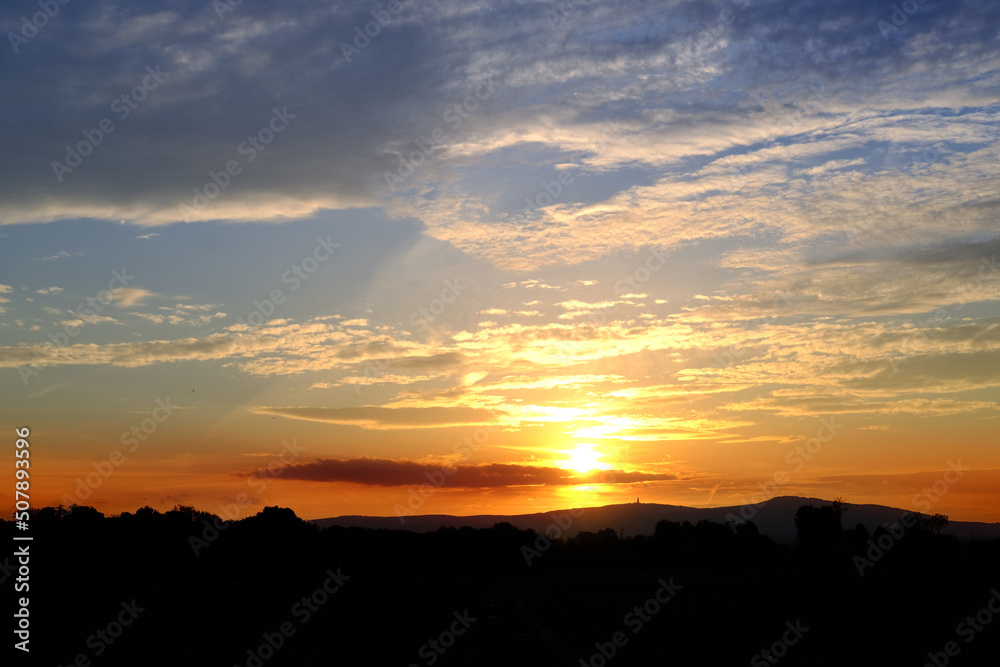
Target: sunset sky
[[710, 252]]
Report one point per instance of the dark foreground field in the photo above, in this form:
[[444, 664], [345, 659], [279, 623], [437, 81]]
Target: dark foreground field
[[716, 618], [285, 593]]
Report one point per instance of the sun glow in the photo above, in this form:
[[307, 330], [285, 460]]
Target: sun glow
[[583, 458]]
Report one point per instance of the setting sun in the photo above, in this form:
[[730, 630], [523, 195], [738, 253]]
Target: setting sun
[[583, 458]]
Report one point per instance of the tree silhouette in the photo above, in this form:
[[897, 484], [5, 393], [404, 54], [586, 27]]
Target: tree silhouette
[[84, 513], [819, 538], [147, 513], [935, 523], [817, 525]]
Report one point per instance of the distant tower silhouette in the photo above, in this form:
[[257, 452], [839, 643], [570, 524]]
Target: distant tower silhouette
[[637, 500]]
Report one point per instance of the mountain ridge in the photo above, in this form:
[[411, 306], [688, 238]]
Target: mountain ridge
[[774, 518]]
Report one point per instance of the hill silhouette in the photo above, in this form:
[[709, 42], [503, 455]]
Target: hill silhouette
[[774, 518]]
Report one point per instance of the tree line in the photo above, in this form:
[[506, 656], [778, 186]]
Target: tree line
[[275, 543]]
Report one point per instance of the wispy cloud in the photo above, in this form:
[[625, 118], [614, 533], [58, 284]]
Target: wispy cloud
[[126, 297], [62, 254], [385, 417]]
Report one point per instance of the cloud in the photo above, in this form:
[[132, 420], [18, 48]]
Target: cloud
[[942, 275], [937, 373], [182, 314], [88, 319], [440, 361], [384, 417], [388, 472], [790, 121], [818, 405], [575, 304], [216, 346], [126, 297], [823, 196], [305, 347], [62, 254], [212, 96]]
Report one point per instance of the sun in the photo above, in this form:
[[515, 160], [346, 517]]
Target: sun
[[583, 458]]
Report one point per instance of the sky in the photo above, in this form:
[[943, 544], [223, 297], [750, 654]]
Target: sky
[[501, 257]]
